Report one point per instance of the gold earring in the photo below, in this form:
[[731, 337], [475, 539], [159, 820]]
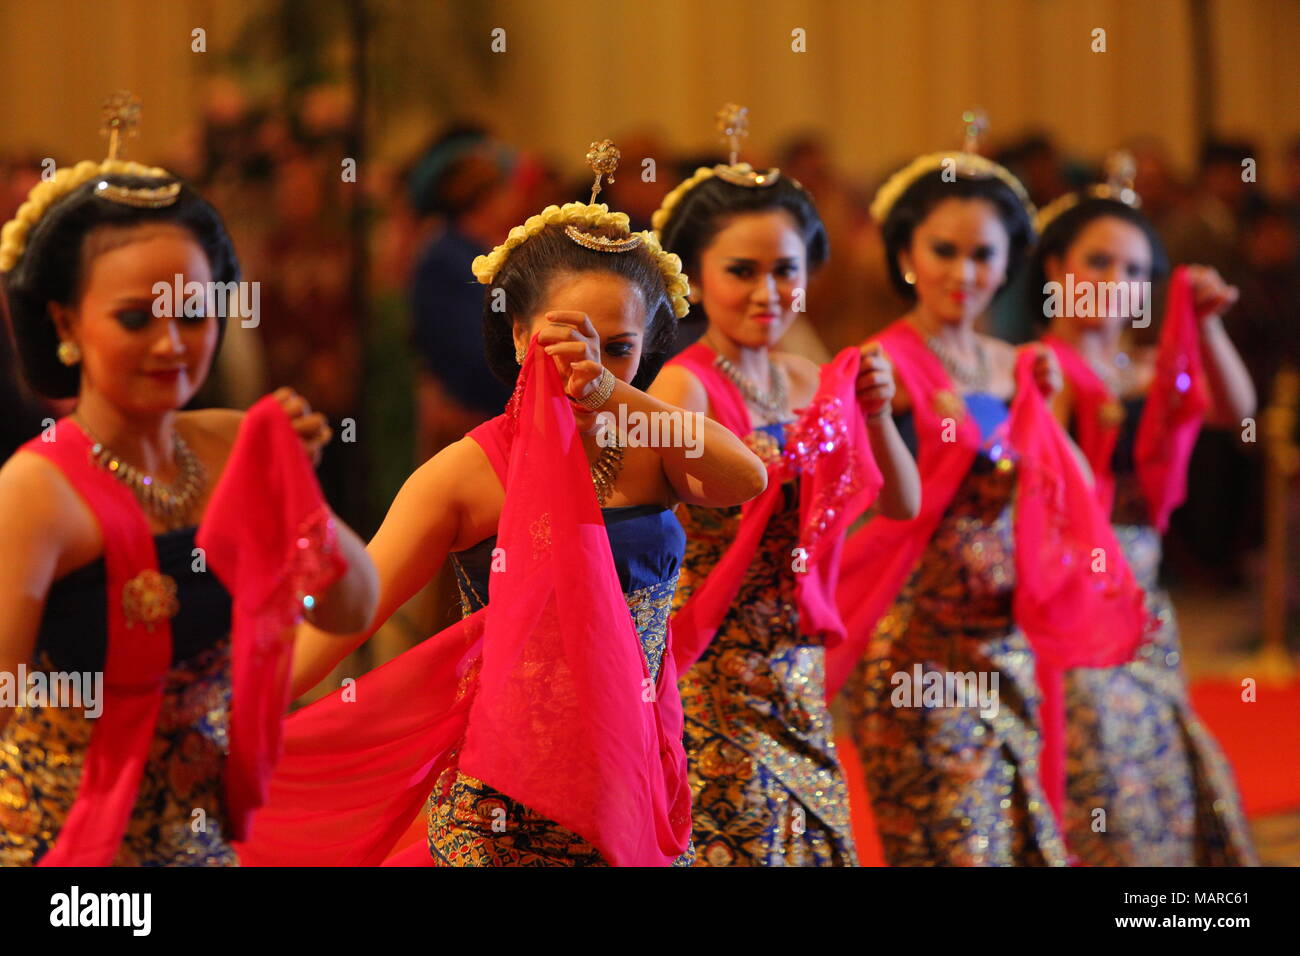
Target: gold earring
[[909, 277], [68, 353], [519, 355]]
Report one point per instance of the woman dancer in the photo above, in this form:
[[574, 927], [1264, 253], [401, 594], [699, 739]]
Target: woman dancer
[[954, 778], [602, 302], [754, 609], [98, 524], [1138, 754]]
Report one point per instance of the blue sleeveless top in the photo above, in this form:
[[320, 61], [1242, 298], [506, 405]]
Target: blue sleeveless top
[[989, 412], [74, 624], [647, 542]]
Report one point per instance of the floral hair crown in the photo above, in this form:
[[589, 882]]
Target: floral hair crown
[[733, 123], [579, 219], [121, 117], [1121, 169], [967, 164]]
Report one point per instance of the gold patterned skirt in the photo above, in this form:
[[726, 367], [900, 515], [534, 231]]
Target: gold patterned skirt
[[767, 787], [179, 814], [954, 783], [1148, 784], [473, 824]]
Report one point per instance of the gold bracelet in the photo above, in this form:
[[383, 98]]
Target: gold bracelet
[[600, 395]]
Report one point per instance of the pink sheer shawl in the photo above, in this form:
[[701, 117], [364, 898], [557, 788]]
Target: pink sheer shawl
[[1075, 597], [829, 449], [1072, 615], [544, 694], [270, 538], [1171, 417], [1175, 406]]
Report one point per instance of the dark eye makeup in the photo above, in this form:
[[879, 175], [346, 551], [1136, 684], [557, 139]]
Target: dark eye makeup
[[134, 319]]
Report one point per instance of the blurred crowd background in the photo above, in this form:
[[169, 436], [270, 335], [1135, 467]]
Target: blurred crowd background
[[368, 305]]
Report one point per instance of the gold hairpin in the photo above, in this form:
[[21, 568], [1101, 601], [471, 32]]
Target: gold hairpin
[[1121, 170], [976, 124], [121, 112], [733, 123], [121, 121], [602, 157]]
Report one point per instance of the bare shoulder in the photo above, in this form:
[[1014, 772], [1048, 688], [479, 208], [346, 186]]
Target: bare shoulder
[[220, 424], [458, 472], [459, 485], [677, 385], [39, 509], [211, 433], [1001, 354], [33, 481], [804, 374]]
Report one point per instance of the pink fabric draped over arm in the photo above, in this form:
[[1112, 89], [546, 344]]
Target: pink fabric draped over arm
[[1075, 597], [1175, 406], [828, 447], [268, 535], [546, 687]]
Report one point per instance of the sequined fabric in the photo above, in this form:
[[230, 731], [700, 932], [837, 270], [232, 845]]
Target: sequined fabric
[[473, 824], [1147, 783], [766, 785], [41, 755], [950, 786]]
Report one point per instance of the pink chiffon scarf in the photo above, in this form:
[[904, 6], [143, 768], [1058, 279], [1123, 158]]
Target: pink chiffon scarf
[[839, 479], [1075, 596], [1171, 417], [543, 695]]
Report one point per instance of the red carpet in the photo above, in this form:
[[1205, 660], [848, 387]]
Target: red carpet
[[1261, 740]]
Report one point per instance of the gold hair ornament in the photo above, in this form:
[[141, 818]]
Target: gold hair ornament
[[967, 164], [1121, 170], [603, 159], [121, 117], [732, 122], [578, 219]]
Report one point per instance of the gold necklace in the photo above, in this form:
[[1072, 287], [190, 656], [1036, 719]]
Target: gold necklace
[[772, 402], [171, 503], [605, 469], [975, 379]]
